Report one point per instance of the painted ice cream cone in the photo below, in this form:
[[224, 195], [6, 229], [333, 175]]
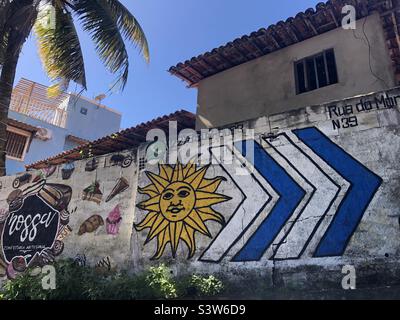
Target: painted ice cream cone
[[121, 186], [113, 221]]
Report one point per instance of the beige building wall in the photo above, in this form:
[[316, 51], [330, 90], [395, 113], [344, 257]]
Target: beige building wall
[[267, 85]]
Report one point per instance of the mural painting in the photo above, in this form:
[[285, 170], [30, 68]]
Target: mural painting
[[35, 217], [104, 265], [121, 185], [91, 225], [93, 193], [114, 221], [33, 227], [305, 198], [124, 161], [179, 205], [67, 171]]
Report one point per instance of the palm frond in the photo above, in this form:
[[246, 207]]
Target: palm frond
[[60, 52], [97, 19], [129, 26], [4, 12]]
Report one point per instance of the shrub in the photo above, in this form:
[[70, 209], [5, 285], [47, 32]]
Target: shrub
[[207, 286], [75, 282], [160, 280]]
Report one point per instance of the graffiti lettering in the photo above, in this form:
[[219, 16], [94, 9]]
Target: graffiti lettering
[[344, 117], [28, 224], [345, 123]]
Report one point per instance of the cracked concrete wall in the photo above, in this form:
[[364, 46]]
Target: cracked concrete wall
[[82, 210], [322, 194], [267, 85]]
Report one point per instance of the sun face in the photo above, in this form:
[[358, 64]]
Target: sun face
[[180, 202]]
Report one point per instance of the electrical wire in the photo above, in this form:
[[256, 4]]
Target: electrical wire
[[368, 43]]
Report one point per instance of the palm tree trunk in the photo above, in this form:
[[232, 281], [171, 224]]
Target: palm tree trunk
[[7, 78]]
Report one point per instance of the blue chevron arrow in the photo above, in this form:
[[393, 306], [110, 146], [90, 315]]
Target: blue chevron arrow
[[290, 194], [364, 185]]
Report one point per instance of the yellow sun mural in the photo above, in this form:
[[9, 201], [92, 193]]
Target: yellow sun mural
[[179, 204]]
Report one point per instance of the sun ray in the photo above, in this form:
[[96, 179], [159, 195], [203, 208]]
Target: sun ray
[[210, 214], [195, 179], [159, 182], [165, 171], [162, 241], [151, 204], [179, 202], [175, 230], [147, 222], [188, 237], [194, 221], [189, 169], [210, 185], [150, 190], [178, 173], [206, 199], [156, 230]]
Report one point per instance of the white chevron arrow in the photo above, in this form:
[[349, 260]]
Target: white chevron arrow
[[259, 201], [296, 240]]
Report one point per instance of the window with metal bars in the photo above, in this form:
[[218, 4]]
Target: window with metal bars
[[316, 72], [16, 145]]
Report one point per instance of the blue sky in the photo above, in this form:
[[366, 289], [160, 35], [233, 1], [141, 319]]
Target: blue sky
[[176, 30]]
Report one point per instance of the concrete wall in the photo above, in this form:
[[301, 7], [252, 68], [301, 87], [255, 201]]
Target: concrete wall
[[38, 149], [322, 194], [68, 218], [266, 86], [97, 123]]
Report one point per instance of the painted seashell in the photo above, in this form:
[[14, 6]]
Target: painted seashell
[[91, 225]]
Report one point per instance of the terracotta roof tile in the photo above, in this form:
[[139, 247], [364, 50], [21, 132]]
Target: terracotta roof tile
[[325, 17], [126, 139]]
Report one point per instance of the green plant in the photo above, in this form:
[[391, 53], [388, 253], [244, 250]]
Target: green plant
[[74, 282], [160, 280], [24, 287], [207, 286]]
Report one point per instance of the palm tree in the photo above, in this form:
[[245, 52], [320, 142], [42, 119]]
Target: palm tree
[[108, 22]]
